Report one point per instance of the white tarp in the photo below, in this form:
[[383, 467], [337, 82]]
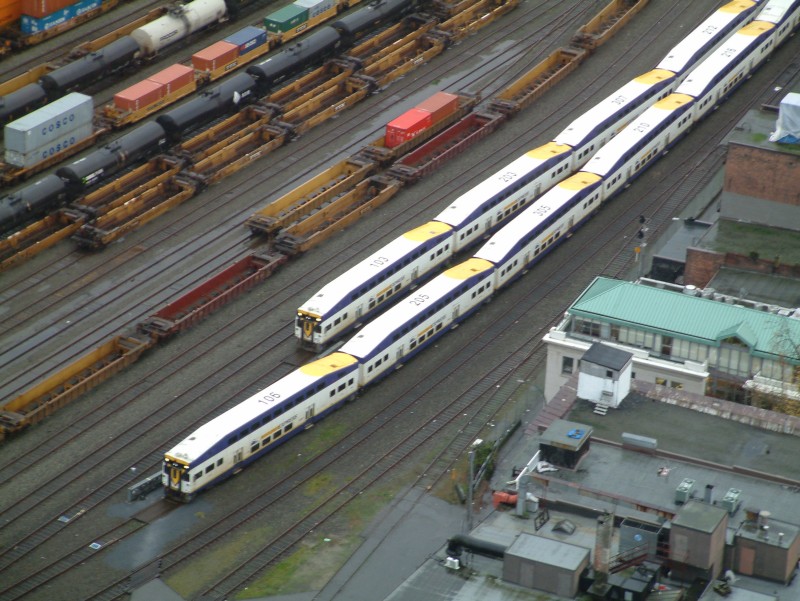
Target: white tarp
[[788, 127]]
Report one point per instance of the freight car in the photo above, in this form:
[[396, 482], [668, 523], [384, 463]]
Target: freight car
[[152, 137], [371, 285], [224, 445], [179, 22]]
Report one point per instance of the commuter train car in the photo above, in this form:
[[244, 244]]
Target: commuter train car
[[230, 441], [421, 317], [418, 320], [473, 216], [333, 310]]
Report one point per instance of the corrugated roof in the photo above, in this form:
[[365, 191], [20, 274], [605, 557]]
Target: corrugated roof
[[688, 317]]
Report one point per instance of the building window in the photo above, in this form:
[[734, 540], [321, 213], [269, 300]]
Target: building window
[[666, 345], [614, 332], [676, 385], [567, 365], [609, 373], [661, 381]]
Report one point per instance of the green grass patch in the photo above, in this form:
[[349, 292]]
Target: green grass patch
[[769, 243]]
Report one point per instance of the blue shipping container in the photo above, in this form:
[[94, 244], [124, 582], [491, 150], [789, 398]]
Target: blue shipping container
[[85, 6], [248, 38]]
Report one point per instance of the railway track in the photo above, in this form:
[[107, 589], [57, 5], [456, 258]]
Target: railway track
[[555, 265]]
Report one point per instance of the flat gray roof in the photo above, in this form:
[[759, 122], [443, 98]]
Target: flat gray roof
[[697, 515], [548, 551], [566, 435], [607, 356]]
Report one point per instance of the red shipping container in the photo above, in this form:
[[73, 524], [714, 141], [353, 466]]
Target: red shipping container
[[440, 105], [139, 95], [42, 8], [406, 126], [215, 56], [173, 78]]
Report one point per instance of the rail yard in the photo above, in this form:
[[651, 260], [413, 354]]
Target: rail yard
[[74, 533]]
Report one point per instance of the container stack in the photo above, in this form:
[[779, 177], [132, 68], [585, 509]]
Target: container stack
[[154, 88], [41, 15], [224, 54], [45, 132], [426, 114]]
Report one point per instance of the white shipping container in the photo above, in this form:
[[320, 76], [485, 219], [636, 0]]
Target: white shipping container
[[315, 7], [49, 123], [37, 155]]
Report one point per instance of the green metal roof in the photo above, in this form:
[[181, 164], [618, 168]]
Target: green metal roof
[[689, 317]]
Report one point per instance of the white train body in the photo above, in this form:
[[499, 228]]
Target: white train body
[[538, 229], [401, 332], [478, 212], [229, 441], [708, 36], [240, 435], [368, 286], [177, 24], [344, 303]]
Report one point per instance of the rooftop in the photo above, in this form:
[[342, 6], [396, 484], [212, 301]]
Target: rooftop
[[696, 515], [548, 551], [607, 356], [744, 238]]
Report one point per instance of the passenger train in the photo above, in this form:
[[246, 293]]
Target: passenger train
[[242, 434], [374, 283], [37, 199]]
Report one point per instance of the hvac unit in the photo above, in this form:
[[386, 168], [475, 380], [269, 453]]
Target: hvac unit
[[684, 491], [731, 501]]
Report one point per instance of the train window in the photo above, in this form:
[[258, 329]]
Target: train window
[[341, 387], [197, 476], [412, 345], [350, 381], [254, 447], [328, 327], [372, 304], [209, 468], [332, 393], [219, 461], [276, 434], [266, 439], [369, 369], [185, 476], [288, 427]]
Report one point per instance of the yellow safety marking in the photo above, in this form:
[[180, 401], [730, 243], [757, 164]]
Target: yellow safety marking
[[427, 231], [579, 181], [175, 477], [654, 76], [548, 151], [673, 101], [327, 365], [176, 460], [756, 28], [468, 269], [307, 314], [737, 6], [308, 328]]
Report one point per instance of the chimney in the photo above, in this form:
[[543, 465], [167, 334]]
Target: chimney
[[709, 490]]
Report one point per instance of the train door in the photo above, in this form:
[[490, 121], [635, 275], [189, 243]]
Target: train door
[[310, 413], [238, 456], [400, 353]]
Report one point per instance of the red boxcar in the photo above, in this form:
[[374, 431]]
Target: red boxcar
[[215, 56], [406, 126], [173, 78], [139, 95]]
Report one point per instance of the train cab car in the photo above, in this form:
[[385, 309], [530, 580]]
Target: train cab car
[[419, 319], [541, 227], [480, 211], [31, 202], [232, 440], [371, 285]]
